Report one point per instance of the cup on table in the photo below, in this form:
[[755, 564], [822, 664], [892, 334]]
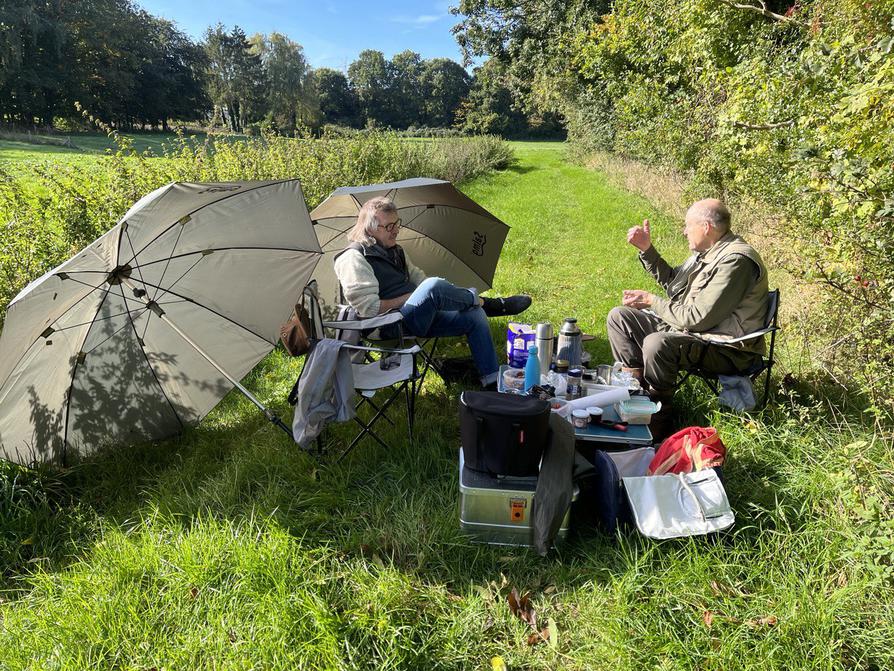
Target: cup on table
[[594, 413], [580, 419]]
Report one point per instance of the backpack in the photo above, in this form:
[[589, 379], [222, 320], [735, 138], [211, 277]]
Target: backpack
[[503, 434], [688, 450], [297, 333]]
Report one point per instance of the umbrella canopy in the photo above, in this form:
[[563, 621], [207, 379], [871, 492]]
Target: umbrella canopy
[[444, 232], [145, 330]]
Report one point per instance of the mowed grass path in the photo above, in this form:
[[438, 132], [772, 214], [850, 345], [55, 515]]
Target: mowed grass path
[[230, 549]]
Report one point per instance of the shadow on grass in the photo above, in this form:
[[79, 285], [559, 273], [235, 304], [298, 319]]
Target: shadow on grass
[[521, 169], [399, 505]]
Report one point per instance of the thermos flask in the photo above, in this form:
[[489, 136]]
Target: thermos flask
[[544, 341], [569, 344]]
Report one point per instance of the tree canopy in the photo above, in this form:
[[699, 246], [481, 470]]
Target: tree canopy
[[126, 68]]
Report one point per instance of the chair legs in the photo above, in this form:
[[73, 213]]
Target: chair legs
[[429, 358], [367, 428], [766, 394]]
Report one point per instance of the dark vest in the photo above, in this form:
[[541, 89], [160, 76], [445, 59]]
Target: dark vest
[[389, 267]]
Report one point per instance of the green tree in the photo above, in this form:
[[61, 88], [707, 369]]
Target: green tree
[[444, 84], [372, 78], [405, 90], [236, 81], [291, 90], [338, 105], [170, 79], [490, 107]]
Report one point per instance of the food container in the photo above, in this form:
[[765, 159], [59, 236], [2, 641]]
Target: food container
[[595, 413], [580, 419], [557, 404], [514, 379], [637, 410]]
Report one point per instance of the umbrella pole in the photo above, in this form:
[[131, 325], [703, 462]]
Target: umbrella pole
[[269, 414]]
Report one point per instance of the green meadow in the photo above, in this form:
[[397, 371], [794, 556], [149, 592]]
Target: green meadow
[[14, 148], [230, 548]]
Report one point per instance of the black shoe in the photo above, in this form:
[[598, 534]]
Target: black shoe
[[502, 307]]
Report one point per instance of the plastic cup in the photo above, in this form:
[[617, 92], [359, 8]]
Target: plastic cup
[[595, 415], [580, 419]]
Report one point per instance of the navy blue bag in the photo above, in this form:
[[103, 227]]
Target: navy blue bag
[[607, 495]]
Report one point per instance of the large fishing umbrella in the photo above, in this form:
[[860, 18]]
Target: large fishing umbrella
[[145, 330], [444, 232]]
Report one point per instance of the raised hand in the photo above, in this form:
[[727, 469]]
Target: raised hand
[[640, 236]]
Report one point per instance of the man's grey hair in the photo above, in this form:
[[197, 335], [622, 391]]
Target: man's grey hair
[[715, 212], [368, 220]]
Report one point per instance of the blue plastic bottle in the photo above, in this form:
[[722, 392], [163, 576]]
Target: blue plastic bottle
[[532, 369]]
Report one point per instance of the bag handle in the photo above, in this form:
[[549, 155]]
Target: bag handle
[[688, 489]]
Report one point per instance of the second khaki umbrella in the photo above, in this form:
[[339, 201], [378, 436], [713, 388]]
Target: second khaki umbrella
[[444, 232]]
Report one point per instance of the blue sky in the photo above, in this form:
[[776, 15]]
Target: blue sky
[[332, 32]]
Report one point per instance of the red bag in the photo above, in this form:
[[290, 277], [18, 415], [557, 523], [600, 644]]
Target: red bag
[[688, 450]]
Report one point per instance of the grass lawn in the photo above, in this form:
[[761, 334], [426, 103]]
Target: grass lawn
[[85, 146], [231, 549]]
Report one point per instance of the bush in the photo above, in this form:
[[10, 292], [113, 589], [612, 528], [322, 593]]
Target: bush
[[791, 109], [51, 210]]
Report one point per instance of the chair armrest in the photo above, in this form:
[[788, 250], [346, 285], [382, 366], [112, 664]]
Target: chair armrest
[[415, 349], [367, 323], [747, 336]]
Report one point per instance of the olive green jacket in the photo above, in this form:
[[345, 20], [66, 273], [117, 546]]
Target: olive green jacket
[[718, 294]]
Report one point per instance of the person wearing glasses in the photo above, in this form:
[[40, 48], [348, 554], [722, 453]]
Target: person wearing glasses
[[719, 292], [376, 276]]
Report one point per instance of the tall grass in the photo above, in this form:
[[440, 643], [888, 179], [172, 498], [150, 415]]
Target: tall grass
[[231, 549]]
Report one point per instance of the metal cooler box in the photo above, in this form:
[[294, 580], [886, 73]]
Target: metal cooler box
[[497, 511]]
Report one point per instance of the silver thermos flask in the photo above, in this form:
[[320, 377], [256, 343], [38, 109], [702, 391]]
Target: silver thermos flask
[[569, 344], [544, 341]]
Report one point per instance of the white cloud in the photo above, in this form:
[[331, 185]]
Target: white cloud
[[419, 21]]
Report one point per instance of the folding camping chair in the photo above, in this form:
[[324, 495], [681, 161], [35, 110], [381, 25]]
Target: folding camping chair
[[428, 347], [390, 370], [761, 365]]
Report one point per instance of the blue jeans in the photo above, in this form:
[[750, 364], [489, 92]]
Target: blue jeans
[[438, 308]]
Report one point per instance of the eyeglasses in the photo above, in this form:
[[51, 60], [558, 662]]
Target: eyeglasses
[[392, 226]]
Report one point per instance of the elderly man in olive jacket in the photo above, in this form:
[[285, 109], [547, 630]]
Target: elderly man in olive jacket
[[719, 292]]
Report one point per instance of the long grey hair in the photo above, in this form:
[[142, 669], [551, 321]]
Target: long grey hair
[[368, 220]]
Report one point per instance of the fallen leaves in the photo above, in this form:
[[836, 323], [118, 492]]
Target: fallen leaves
[[521, 607], [759, 622], [708, 618]]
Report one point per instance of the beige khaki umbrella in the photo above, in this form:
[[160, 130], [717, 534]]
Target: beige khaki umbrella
[[143, 332], [444, 232]]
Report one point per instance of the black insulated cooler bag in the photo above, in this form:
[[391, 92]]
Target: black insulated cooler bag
[[503, 434]]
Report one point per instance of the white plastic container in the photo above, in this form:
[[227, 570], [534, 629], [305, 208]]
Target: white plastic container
[[637, 410]]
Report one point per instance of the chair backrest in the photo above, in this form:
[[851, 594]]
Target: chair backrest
[[312, 303], [772, 317], [772, 308]]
